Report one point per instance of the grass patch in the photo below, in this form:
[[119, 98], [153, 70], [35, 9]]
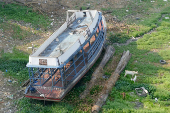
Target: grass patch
[[118, 38], [157, 40], [15, 30], [34, 106], [95, 90], [14, 64], [23, 13], [152, 75]]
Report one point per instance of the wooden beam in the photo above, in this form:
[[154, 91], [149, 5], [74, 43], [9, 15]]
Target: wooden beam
[[99, 71], [111, 82]]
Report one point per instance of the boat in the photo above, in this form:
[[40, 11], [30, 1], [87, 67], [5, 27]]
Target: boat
[[66, 56]]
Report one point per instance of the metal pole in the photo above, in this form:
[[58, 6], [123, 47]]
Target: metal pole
[[29, 74], [51, 76]]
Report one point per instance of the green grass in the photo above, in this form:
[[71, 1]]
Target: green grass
[[95, 90], [149, 18], [23, 13], [118, 37], [14, 64], [15, 30], [34, 106], [157, 39], [152, 75]]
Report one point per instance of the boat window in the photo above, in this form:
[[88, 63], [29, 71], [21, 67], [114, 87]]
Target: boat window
[[92, 40], [97, 33], [68, 64], [100, 26], [86, 47]]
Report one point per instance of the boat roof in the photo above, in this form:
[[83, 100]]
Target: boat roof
[[67, 38]]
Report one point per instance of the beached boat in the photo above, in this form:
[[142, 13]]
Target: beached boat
[[65, 57]]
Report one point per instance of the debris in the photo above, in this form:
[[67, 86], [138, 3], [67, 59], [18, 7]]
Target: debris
[[7, 104], [166, 18], [10, 96], [105, 77], [156, 100], [124, 95], [127, 10], [9, 80], [152, 1], [141, 91], [51, 23], [137, 18], [162, 61], [165, 0], [42, 95], [14, 81]]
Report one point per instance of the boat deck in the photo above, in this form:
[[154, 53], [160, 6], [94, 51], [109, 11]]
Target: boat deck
[[51, 83], [67, 38], [55, 93]]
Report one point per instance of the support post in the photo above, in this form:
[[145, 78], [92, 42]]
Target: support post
[[74, 66], [51, 76]]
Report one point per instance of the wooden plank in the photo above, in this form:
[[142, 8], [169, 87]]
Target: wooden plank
[[111, 82]]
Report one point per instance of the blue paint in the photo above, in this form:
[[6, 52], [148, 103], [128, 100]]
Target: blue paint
[[69, 72]]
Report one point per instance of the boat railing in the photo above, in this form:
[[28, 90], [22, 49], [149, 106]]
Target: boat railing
[[71, 19], [40, 79], [90, 53], [95, 45], [76, 61]]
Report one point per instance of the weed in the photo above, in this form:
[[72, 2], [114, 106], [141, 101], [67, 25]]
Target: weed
[[118, 38], [15, 30], [95, 89], [23, 13], [14, 64]]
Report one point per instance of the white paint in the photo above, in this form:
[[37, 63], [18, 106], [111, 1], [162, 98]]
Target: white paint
[[69, 52], [34, 61], [49, 40], [68, 49]]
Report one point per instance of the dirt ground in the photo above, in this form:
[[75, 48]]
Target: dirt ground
[[10, 92]]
